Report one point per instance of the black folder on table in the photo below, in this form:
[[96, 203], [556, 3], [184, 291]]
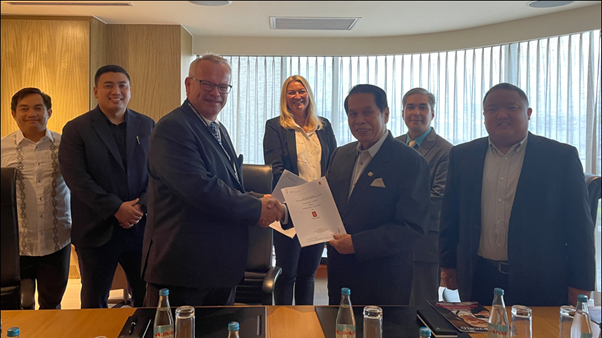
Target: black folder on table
[[440, 327], [210, 322]]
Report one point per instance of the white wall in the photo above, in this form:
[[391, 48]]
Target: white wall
[[561, 23]]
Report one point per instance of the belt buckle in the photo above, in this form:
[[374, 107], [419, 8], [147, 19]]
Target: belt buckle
[[502, 267]]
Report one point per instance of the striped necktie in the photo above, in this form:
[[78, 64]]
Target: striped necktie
[[215, 132]]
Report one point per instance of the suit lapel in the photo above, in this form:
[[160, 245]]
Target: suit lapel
[[102, 129], [323, 145], [428, 143], [291, 142], [131, 135], [344, 180], [370, 173], [229, 147], [475, 175], [530, 168]]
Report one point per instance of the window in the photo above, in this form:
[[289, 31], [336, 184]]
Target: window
[[561, 76]]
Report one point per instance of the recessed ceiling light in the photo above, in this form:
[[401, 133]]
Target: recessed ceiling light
[[211, 3], [547, 4]]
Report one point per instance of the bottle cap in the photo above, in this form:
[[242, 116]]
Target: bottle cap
[[12, 332], [233, 326], [345, 291], [425, 332], [164, 292], [498, 291], [582, 298]]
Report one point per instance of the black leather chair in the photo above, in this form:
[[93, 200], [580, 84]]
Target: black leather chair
[[260, 275], [594, 190], [11, 276]]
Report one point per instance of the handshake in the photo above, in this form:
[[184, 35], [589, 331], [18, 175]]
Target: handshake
[[271, 211]]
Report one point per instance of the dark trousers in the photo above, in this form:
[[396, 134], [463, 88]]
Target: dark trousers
[[179, 296], [299, 267], [51, 273], [425, 283], [97, 267], [487, 277]]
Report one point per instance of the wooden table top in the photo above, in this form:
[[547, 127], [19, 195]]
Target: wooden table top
[[282, 321]]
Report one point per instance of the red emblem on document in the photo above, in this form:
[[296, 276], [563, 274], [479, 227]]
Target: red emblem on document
[[313, 213]]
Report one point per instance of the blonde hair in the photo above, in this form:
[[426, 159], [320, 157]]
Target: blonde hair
[[286, 117]]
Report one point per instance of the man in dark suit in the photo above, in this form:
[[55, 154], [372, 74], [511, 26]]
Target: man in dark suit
[[515, 213], [103, 160], [418, 112], [197, 236], [381, 189]]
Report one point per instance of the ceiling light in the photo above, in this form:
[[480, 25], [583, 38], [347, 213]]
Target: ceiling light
[[68, 3], [341, 24], [547, 4], [211, 3]]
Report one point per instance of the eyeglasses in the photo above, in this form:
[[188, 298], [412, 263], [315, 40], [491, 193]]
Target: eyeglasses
[[208, 86]]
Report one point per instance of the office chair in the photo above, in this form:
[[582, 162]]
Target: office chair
[[11, 276], [594, 190], [260, 275]]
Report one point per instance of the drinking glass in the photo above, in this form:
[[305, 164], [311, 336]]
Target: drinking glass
[[566, 321], [373, 322], [520, 326], [185, 322]]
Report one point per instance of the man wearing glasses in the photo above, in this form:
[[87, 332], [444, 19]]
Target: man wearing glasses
[[196, 240]]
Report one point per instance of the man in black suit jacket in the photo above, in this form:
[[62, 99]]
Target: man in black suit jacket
[[418, 112], [515, 213], [197, 236], [381, 189], [103, 160]]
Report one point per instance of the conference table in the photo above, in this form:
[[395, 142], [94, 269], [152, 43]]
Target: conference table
[[282, 322]]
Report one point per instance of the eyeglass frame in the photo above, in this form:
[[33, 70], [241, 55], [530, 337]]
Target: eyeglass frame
[[213, 85]]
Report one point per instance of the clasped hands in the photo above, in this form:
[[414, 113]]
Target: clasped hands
[[271, 211], [129, 213]]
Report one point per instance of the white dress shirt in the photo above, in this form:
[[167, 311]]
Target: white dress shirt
[[500, 179], [43, 199], [363, 159], [309, 154]]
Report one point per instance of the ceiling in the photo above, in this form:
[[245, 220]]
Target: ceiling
[[252, 18]]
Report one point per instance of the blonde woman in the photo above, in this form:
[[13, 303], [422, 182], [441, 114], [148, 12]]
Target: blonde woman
[[301, 142]]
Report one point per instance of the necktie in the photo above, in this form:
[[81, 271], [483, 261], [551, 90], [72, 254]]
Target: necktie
[[215, 133], [413, 144]]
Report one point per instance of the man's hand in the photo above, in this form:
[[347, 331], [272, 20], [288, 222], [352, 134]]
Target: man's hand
[[448, 278], [343, 244], [573, 293], [271, 211], [129, 213]]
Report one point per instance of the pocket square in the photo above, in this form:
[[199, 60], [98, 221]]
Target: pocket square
[[378, 183]]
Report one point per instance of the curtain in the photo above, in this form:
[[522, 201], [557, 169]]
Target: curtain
[[560, 75]]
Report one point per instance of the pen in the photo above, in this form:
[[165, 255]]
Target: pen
[[137, 139], [132, 325], [145, 330]]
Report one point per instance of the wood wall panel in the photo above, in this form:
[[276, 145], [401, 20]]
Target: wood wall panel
[[151, 55], [186, 59], [52, 55], [98, 54]]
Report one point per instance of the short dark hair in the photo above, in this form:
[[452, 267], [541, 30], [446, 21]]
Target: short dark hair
[[380, 97], [420, 91], [507, 86], [26, 92], [110, 69]]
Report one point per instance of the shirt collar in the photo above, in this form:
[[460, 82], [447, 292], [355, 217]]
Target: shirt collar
[[420, 138], [21, 136], [125, 117], [376, 147], [207, 121], [518, 147]]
